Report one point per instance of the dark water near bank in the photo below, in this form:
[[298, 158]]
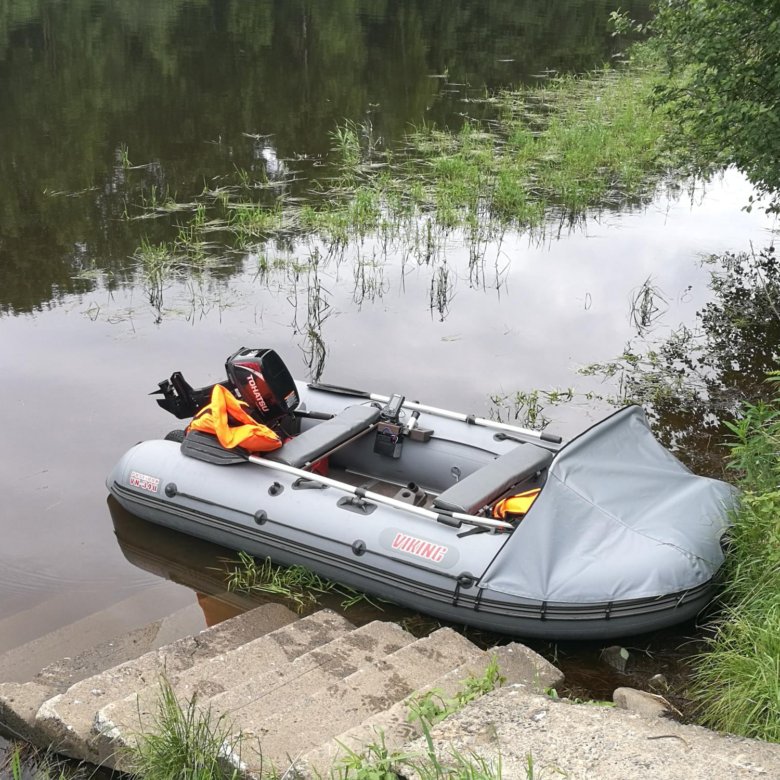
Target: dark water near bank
[[106, 105]]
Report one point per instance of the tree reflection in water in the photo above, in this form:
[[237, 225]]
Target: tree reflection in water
[[695, 380]]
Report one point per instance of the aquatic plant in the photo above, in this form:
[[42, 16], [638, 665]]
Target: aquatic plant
[[546, 158], [648, 305], [155, 263], [553, 153], [252, 222], [123, 156], [527, 408], [298, 584], [346, 142]]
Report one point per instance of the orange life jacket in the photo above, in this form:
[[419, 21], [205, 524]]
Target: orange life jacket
[[516, 505], [226, 418]]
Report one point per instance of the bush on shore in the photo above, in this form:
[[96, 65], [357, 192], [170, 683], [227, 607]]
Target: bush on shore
[[737, 681]]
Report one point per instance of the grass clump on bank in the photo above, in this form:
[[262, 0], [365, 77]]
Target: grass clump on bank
[[187, 743], [737, 681], [432, 707]]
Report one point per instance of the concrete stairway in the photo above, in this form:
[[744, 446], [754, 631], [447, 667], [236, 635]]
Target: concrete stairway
[[138, 650], [296, 691]]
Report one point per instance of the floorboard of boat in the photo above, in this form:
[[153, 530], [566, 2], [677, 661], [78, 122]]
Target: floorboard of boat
[[370, 483]]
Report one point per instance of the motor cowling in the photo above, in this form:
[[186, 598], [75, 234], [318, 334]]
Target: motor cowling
[[263, 382]]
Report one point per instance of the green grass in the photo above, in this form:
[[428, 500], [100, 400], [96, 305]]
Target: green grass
[[347, 148], [526, 408], [737, 680], [573, 145], [431, 707], [249, 221], [22, 761], [378, 762], [299, 585], [456, 765], [548, 155], [187, 743]]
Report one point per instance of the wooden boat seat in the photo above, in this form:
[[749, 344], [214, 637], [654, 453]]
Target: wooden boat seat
[[326, 436], [480, 487]]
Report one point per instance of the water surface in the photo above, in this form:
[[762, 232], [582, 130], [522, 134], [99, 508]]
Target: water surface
[[105, 104]]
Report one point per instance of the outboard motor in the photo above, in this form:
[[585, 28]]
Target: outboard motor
[[263, 382]]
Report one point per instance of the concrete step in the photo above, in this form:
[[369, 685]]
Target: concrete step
[[21, 697], [315, 670], [519, 666], [295, 690], [564, 739], [311, 721], [274, 683], [17, 666], [66, 720], [19, 702], [21, 660], [391, 726], [71, 669]]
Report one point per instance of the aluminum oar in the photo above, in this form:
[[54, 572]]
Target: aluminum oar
[[470, 419]]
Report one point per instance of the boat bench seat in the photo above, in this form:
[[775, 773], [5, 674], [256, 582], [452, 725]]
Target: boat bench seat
[[317, 441], [471, 493]]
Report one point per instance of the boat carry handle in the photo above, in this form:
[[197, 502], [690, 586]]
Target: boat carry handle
[[470, 419], [204, 447]]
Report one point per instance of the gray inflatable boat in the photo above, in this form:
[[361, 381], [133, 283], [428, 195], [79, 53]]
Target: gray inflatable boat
[[620, 539]]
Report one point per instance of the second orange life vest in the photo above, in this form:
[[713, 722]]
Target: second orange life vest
[[516, 505]]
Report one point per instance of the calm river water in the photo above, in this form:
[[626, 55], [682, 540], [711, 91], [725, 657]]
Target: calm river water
[[104, 103]]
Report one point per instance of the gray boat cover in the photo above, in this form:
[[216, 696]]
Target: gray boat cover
[[618, 518]]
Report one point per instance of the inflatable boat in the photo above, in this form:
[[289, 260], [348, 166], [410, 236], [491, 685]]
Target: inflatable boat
[[469, 520]]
